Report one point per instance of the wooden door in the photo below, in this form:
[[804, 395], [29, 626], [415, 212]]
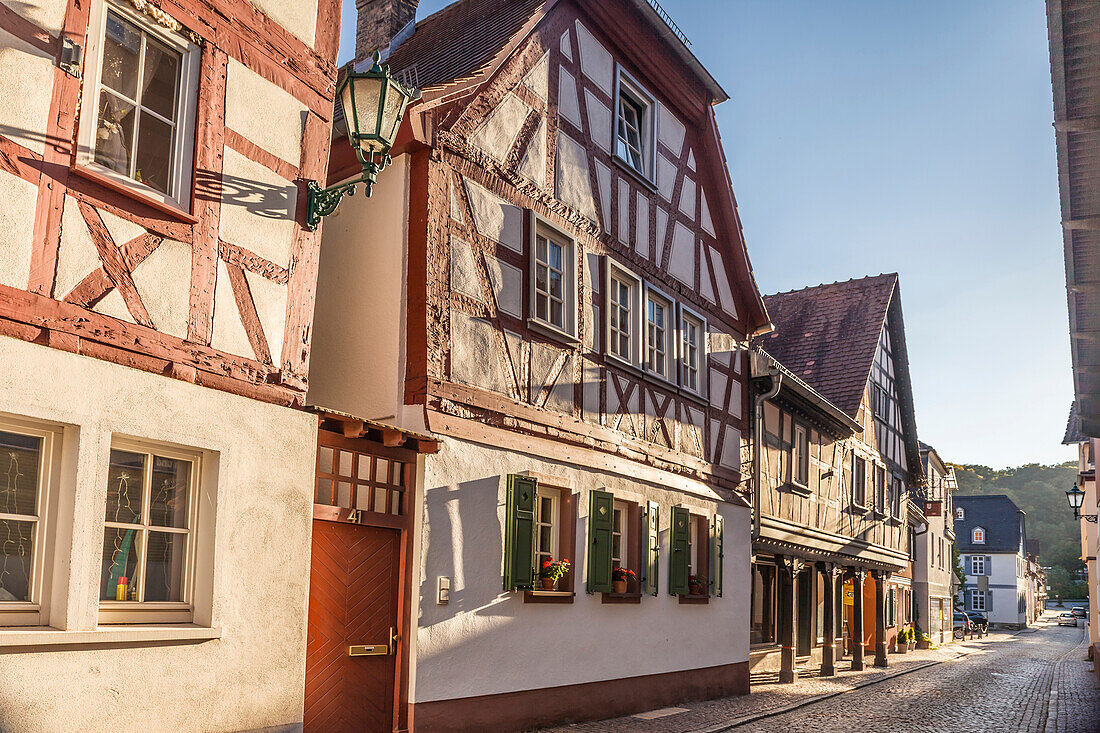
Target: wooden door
[[353, 600]]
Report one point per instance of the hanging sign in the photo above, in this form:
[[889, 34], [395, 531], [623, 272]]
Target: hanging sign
[[849, 594]]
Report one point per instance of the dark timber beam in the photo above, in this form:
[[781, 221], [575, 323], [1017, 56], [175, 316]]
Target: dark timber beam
[[828, 647], [880, 619], [856, 632]]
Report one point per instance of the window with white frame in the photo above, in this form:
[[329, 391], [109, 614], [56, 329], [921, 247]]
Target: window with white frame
[[977, 535], [142, 95], [149, 533], [977, 564], [25, 466], [977, 600], [659, 345], [624, 302], [552, 282], [546, 526], [692, 350], [800, 456], [960, 513], [634, 127], [620, 535]]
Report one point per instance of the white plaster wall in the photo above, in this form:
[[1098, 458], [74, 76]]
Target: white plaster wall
[[501, 644], [16, 229], [299, 17], [357, 362], [257, 208], [266, 114], [26, 78], [260, 462]]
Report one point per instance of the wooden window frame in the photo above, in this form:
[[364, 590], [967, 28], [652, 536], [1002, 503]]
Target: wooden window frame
[[567, 332], [331, 472], [647, 133], [619, 273], [632, 545], [671, 353], [565, 540], [800, 456], [182, 611], [32, 611], [699, 557], [859, 483], [688, 315], [183, 154]]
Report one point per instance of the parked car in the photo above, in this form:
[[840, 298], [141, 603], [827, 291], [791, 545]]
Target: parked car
[[1079, 612], [1067, 618], [979, 621], [961, 625]]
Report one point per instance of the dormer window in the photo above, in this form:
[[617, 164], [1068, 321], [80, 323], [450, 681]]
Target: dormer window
[[960, 513], [634, 127], [977, 536]]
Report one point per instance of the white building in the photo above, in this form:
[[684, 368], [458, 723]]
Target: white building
[[933, 566], [992, 538]]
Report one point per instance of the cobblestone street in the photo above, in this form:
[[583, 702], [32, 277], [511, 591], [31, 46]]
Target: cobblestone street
[[1036, 680]]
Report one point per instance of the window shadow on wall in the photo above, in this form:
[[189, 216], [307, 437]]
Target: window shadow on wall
[[258, 198]]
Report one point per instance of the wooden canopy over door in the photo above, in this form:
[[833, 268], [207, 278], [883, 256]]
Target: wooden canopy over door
[[356, 655]]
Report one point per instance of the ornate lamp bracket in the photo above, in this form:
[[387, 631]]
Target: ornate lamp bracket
[[323, 201]]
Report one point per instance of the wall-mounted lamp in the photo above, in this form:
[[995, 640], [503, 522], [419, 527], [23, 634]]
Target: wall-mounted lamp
[[1076, 497], [72, 53], [374, 103]]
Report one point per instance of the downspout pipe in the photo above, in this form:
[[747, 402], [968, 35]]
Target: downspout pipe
[[757, 439]]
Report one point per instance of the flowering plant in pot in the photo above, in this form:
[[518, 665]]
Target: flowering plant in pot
[[619, 578], [902, 644], [695, 584], [552, 571]]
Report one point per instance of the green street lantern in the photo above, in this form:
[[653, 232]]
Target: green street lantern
[[374, 104], [1076, 498]]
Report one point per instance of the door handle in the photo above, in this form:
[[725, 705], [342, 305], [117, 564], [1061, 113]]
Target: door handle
[[376, 650]]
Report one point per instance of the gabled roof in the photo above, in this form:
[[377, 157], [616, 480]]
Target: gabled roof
[[1073, 427], [998, 515], [828, 334], [459, 40]]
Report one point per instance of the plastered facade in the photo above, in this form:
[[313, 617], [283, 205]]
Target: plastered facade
[[256, 518], [504, 645]]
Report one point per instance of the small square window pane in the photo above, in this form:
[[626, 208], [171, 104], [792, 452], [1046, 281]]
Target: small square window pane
[[382, 471], [544, 538], [169, 492], [362, 496], [121, 50], [20, 460], [324, 491], [162, 73], [114, 136], [154, 153], [398, 473], [546, 504], [324, 464], [364, 467], [164, 566], [345, 463], [124, 480], [541, 302], [395, 502], [541, 249], [121, 548], [555, 255], [556, 314], [16, 558], [380, 499], [555, 285], [343, 494]]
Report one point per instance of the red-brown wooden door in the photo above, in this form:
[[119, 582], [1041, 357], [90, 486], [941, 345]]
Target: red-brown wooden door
[[353, 590]]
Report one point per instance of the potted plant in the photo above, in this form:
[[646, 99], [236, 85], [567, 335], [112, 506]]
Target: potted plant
[[551, 572], [695, 584], [901, 645], [924, 641], [619, 578]]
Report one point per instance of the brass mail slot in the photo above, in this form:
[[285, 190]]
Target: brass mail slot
[[368, 650]]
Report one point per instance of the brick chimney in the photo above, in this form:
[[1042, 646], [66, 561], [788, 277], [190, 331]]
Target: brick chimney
[[379, 23]]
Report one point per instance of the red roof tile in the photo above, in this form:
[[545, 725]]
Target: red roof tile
[[827, 335]]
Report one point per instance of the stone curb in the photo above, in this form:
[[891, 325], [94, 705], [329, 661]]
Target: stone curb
[[737, 722]]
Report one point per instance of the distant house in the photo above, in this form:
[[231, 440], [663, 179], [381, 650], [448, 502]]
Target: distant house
[[991, 534], [933, 573]]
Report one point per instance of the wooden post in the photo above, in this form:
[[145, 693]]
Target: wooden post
[[828, 649], [768, 581], [880, 619], [787, 613], [856, 630]]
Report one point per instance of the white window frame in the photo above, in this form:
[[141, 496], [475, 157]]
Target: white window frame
[[616, 272], [960, 513], [976, 596], [554, 523], [977, 564], [625, 84], [183, 611], [687, 315], [33, 612], [180, 188], [541, 228], [974, 536], [671, 353], [623, 533]]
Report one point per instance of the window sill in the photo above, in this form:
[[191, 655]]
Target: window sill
[[634, 173], [618, 361], [552, 332], [690, 394], [106, 181], [38, 636], [796, 488], [694, 600], [621, 598], [857, 509], [548, 596]]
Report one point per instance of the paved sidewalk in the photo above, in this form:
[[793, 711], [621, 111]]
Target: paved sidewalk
[[770, 699]]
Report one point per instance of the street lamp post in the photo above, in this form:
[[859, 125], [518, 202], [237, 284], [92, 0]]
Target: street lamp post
[[374, 103], [1076, 498]]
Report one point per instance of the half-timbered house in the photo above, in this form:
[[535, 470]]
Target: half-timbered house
[[550, 278], [156, 302], [834, 450], [933, 568]]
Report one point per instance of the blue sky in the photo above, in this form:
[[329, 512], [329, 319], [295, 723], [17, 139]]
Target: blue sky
[[909, 137]]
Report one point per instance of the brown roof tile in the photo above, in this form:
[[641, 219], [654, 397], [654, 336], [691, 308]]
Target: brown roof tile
[[828, 334]]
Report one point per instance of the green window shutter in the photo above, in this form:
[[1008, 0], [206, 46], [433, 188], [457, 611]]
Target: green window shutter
[[519, 536], [679, 543], [601, 506], [718, 531], [652, 546]]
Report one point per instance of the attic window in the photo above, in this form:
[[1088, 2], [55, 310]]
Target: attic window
[[960, 513], [977, 536], [634, 127]]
